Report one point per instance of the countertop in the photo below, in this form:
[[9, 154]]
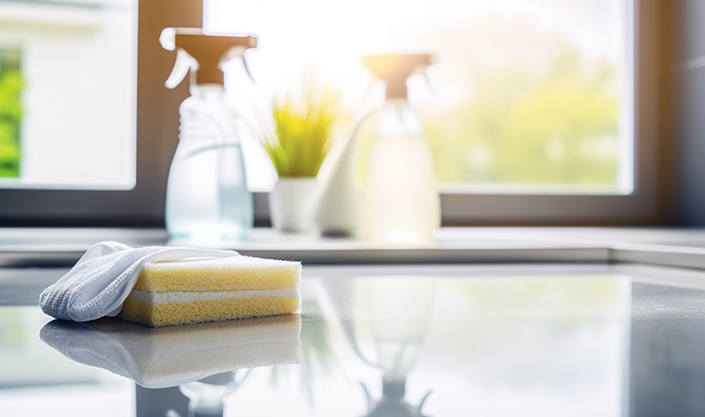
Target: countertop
[[381, 340], [485, 321]]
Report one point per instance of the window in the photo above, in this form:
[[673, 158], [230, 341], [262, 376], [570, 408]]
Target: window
[[525, 97], [619, 74], [10, 112], [67, 78], [539, 112]]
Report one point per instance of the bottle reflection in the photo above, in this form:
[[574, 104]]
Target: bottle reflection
[[206, 395], [398, 310], [392, 403], [202, 398]]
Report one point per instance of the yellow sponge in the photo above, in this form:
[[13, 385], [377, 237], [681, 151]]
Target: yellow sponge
[[212, 289]]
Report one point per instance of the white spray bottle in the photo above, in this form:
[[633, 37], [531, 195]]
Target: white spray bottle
[[389, 194], [207, 198]]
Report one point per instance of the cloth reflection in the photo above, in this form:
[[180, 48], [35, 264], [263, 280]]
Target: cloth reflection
[[170, 356]]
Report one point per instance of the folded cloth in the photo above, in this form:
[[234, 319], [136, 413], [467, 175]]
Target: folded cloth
[[104, 276], [170, 356]]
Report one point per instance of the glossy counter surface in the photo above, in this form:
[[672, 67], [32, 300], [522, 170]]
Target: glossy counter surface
[[395, 341]]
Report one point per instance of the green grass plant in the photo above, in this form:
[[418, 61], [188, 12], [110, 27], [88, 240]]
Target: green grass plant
[[303, 130]]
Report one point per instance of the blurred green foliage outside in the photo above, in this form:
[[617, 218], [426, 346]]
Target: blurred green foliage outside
[[11, 84], [519, 128]]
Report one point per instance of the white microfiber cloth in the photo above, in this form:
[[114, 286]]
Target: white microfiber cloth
[[104, 276]]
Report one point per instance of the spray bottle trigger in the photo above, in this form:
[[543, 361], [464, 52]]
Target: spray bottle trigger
[[428, 82], [370, 88], [184, 63], [236, 52], [247, 70], [168, 39]]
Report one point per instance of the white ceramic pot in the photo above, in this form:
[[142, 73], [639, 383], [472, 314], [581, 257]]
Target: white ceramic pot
[[291, 204]]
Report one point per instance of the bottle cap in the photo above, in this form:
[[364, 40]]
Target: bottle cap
[[395, 69], [203, 55]]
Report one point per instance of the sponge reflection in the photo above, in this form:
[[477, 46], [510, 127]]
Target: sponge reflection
[[171, 356]]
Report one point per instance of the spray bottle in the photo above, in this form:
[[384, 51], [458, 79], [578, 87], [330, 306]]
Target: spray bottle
[[207, 197], [389, 193]]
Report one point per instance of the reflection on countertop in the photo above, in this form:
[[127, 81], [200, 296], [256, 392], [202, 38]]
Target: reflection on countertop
[[392, 341], [207, 362], [406, 305], [170, 356]]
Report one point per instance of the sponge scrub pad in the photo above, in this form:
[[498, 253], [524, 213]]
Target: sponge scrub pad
[[212, 289]]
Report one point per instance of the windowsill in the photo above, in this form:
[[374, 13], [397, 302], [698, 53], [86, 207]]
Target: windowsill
[[670, 247]]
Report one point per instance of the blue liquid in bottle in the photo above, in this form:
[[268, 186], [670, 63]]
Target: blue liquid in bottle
[[207, 198]]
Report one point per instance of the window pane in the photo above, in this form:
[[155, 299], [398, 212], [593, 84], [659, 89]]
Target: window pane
[[526, 96], [68, 94], [10, 112]]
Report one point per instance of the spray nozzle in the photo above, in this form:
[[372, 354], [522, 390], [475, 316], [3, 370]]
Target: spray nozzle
[[395, 69], [203, 55]]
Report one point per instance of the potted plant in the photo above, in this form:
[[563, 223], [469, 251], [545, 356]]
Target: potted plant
[[297, 145]]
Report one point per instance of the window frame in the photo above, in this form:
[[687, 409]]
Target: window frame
[[157, 130]]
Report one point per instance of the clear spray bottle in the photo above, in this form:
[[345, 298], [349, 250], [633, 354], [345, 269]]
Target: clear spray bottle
[[389, 193], [207, 198], [402, 202]]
